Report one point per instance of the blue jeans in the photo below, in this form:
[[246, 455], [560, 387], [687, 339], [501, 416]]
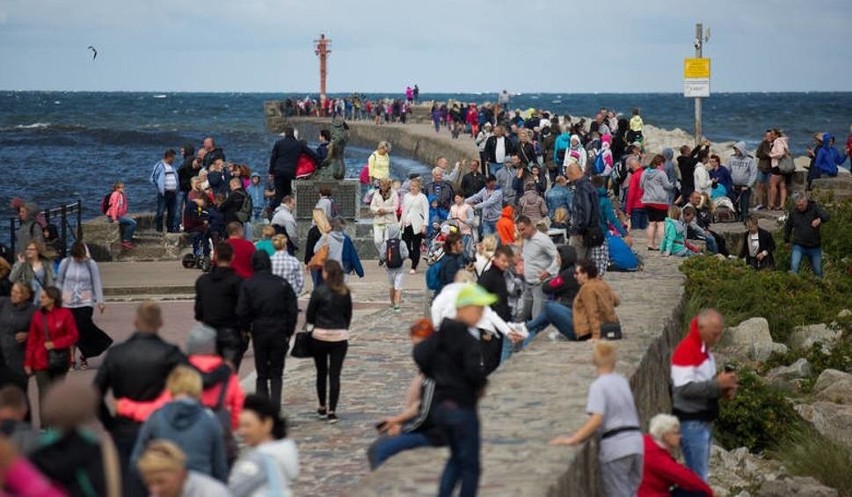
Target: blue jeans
[[167, 203], [385, 447], [814, 255], [461, 426], [560, 316], [493, 167], [638, 219], [712, 246], [696, 437], [487, 228], [129, 228], [742, 199]]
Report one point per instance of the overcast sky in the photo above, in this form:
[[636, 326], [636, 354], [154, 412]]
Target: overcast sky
[[444, 46]]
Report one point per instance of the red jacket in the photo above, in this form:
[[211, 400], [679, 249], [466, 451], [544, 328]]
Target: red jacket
[[660, 471], [117, 205], [635, 192], [234, 397], [63, 334], [243, 250]]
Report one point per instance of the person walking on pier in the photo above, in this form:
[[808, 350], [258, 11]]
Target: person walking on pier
[[216, 296]]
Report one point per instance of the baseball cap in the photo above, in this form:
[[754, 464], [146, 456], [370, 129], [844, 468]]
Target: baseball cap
[[474, 295]]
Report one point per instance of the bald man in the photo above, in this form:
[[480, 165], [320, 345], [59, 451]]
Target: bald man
[[697, 388]]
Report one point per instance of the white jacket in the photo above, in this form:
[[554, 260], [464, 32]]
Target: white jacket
[[415, 212]]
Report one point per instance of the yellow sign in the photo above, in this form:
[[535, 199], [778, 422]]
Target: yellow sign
[[696, 68]]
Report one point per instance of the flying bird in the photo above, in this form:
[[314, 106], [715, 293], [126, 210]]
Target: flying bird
[[94, 52]]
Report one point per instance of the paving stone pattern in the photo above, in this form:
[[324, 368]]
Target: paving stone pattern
[[538, 394]]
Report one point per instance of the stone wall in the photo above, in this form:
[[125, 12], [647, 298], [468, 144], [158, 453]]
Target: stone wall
[[541, 393]]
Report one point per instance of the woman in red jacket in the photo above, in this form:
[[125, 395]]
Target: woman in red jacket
[[661, 471], [57, 323]]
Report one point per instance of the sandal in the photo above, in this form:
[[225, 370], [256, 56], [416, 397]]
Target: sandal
[[84, 364]]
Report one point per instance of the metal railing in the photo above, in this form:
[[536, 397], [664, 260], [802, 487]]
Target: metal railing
[[67, 218]]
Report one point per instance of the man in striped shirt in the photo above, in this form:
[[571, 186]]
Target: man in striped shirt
[[287, 266], [164, 178], [697, 388]]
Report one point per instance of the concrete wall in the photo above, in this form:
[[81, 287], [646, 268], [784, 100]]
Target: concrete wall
[[541, 393]]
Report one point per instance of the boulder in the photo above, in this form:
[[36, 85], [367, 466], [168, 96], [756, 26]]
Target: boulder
[[798, 370], [833, 421], [834, 386], [762, 351], [750, 331], [845, 313], [804, 337], [804, 486]]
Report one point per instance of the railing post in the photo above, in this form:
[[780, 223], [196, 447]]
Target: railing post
[[12, 236], [79, 220], [64, 234]]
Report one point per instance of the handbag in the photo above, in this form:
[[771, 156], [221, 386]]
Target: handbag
[[302, 345], [57, 359], [319, 258], [611, 331], [786, 164]]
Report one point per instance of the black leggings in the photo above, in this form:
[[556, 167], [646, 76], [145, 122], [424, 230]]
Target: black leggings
[[413, 242], [270, 350], [328, 359]]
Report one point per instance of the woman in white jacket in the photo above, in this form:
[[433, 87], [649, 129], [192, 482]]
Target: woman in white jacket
[[272, 460], [415, 217], [384, 205]]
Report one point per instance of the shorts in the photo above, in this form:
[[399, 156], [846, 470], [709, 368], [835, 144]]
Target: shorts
[[395, 278], [777, 172], [656, 215], [763, 177]]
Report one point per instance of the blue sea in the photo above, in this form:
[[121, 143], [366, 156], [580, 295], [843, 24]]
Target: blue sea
[[56, 147]]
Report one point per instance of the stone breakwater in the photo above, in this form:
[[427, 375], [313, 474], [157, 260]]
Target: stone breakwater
[[541, 392]]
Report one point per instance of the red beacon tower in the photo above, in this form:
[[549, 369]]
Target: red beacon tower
[[322, 48]]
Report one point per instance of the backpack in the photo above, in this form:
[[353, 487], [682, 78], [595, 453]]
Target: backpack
[[393, 256], [433, 275], [223, 416], [244, 214], [105, 203], [618, 174], [600, 165]]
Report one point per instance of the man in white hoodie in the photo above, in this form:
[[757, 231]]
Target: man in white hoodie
[[743, 176]]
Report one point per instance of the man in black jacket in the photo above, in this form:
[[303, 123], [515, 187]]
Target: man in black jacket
[[494, 280], [584, 210], [135, 370], [498, 148], [212, 152], [268, 302], [232, 205], [453, 358], [473, 181], [188, 169], [802, 230], [216, 296], [282, 162]]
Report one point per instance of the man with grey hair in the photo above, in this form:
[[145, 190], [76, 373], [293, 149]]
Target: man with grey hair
[[801, 229], [449, 175], [440, 188], [697, 388], [540, 263]]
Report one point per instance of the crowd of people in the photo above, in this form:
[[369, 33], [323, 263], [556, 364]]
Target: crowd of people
[[515, 240]]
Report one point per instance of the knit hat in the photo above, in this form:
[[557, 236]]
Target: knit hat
[[201, 341]]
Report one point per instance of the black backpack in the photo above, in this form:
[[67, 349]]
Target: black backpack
[[393, 255], [105, 205], [244, 214]]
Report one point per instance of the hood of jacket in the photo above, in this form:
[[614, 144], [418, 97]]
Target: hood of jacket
[[575, 142], [567, 257], [260, 261], [182, 414], [508, 213], [826, 139], [668, 154], [393, 230], [740, 147]]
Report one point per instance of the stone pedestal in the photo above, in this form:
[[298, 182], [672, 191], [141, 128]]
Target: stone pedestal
[[345, 193]]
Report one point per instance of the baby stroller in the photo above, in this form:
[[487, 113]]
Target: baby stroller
[[434, 248], [723, 210], [196, 223]]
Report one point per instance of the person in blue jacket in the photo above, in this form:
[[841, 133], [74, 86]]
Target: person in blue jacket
[[827, 158]]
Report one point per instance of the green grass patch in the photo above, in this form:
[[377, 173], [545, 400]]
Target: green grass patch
[[805, 452]]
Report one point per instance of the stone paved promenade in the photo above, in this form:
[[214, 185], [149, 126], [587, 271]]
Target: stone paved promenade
[[539, 393]]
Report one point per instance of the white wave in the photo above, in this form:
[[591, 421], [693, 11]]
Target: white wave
[[159, 96], [32, 126]]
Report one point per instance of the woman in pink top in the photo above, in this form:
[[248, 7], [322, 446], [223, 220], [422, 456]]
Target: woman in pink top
[[117, 211]]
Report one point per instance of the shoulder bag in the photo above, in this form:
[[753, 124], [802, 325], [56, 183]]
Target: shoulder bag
[[786, 164], [319, 258], [302, 344], [57, 359]]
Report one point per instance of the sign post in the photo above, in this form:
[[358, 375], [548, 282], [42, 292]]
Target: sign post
[[696, 78]]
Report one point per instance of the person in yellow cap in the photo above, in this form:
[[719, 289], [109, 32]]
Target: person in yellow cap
[[453, 359]]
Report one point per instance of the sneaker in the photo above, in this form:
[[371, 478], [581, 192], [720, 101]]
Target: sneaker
[[332, 418], [381, 263], [759, 207], [413, 271], [321, 412], [396, 308], [127, 245]]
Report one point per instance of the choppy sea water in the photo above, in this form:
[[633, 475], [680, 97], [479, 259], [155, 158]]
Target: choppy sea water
[[56, 147]]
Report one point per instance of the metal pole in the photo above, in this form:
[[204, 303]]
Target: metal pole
[[64, 234], [699, 46], [79, 237]]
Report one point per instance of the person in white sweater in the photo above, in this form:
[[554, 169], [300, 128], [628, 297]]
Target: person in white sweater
[[384, 205], [414, 219]]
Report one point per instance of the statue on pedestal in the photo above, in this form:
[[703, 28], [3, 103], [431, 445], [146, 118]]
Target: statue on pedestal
[[333, 166]]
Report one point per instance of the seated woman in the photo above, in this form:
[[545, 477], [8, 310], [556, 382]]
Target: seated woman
[[412, 428], [674, 236], [560, 219], [758, 246], [595, 303], [562, 289], [695, 232], [660, 471]]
